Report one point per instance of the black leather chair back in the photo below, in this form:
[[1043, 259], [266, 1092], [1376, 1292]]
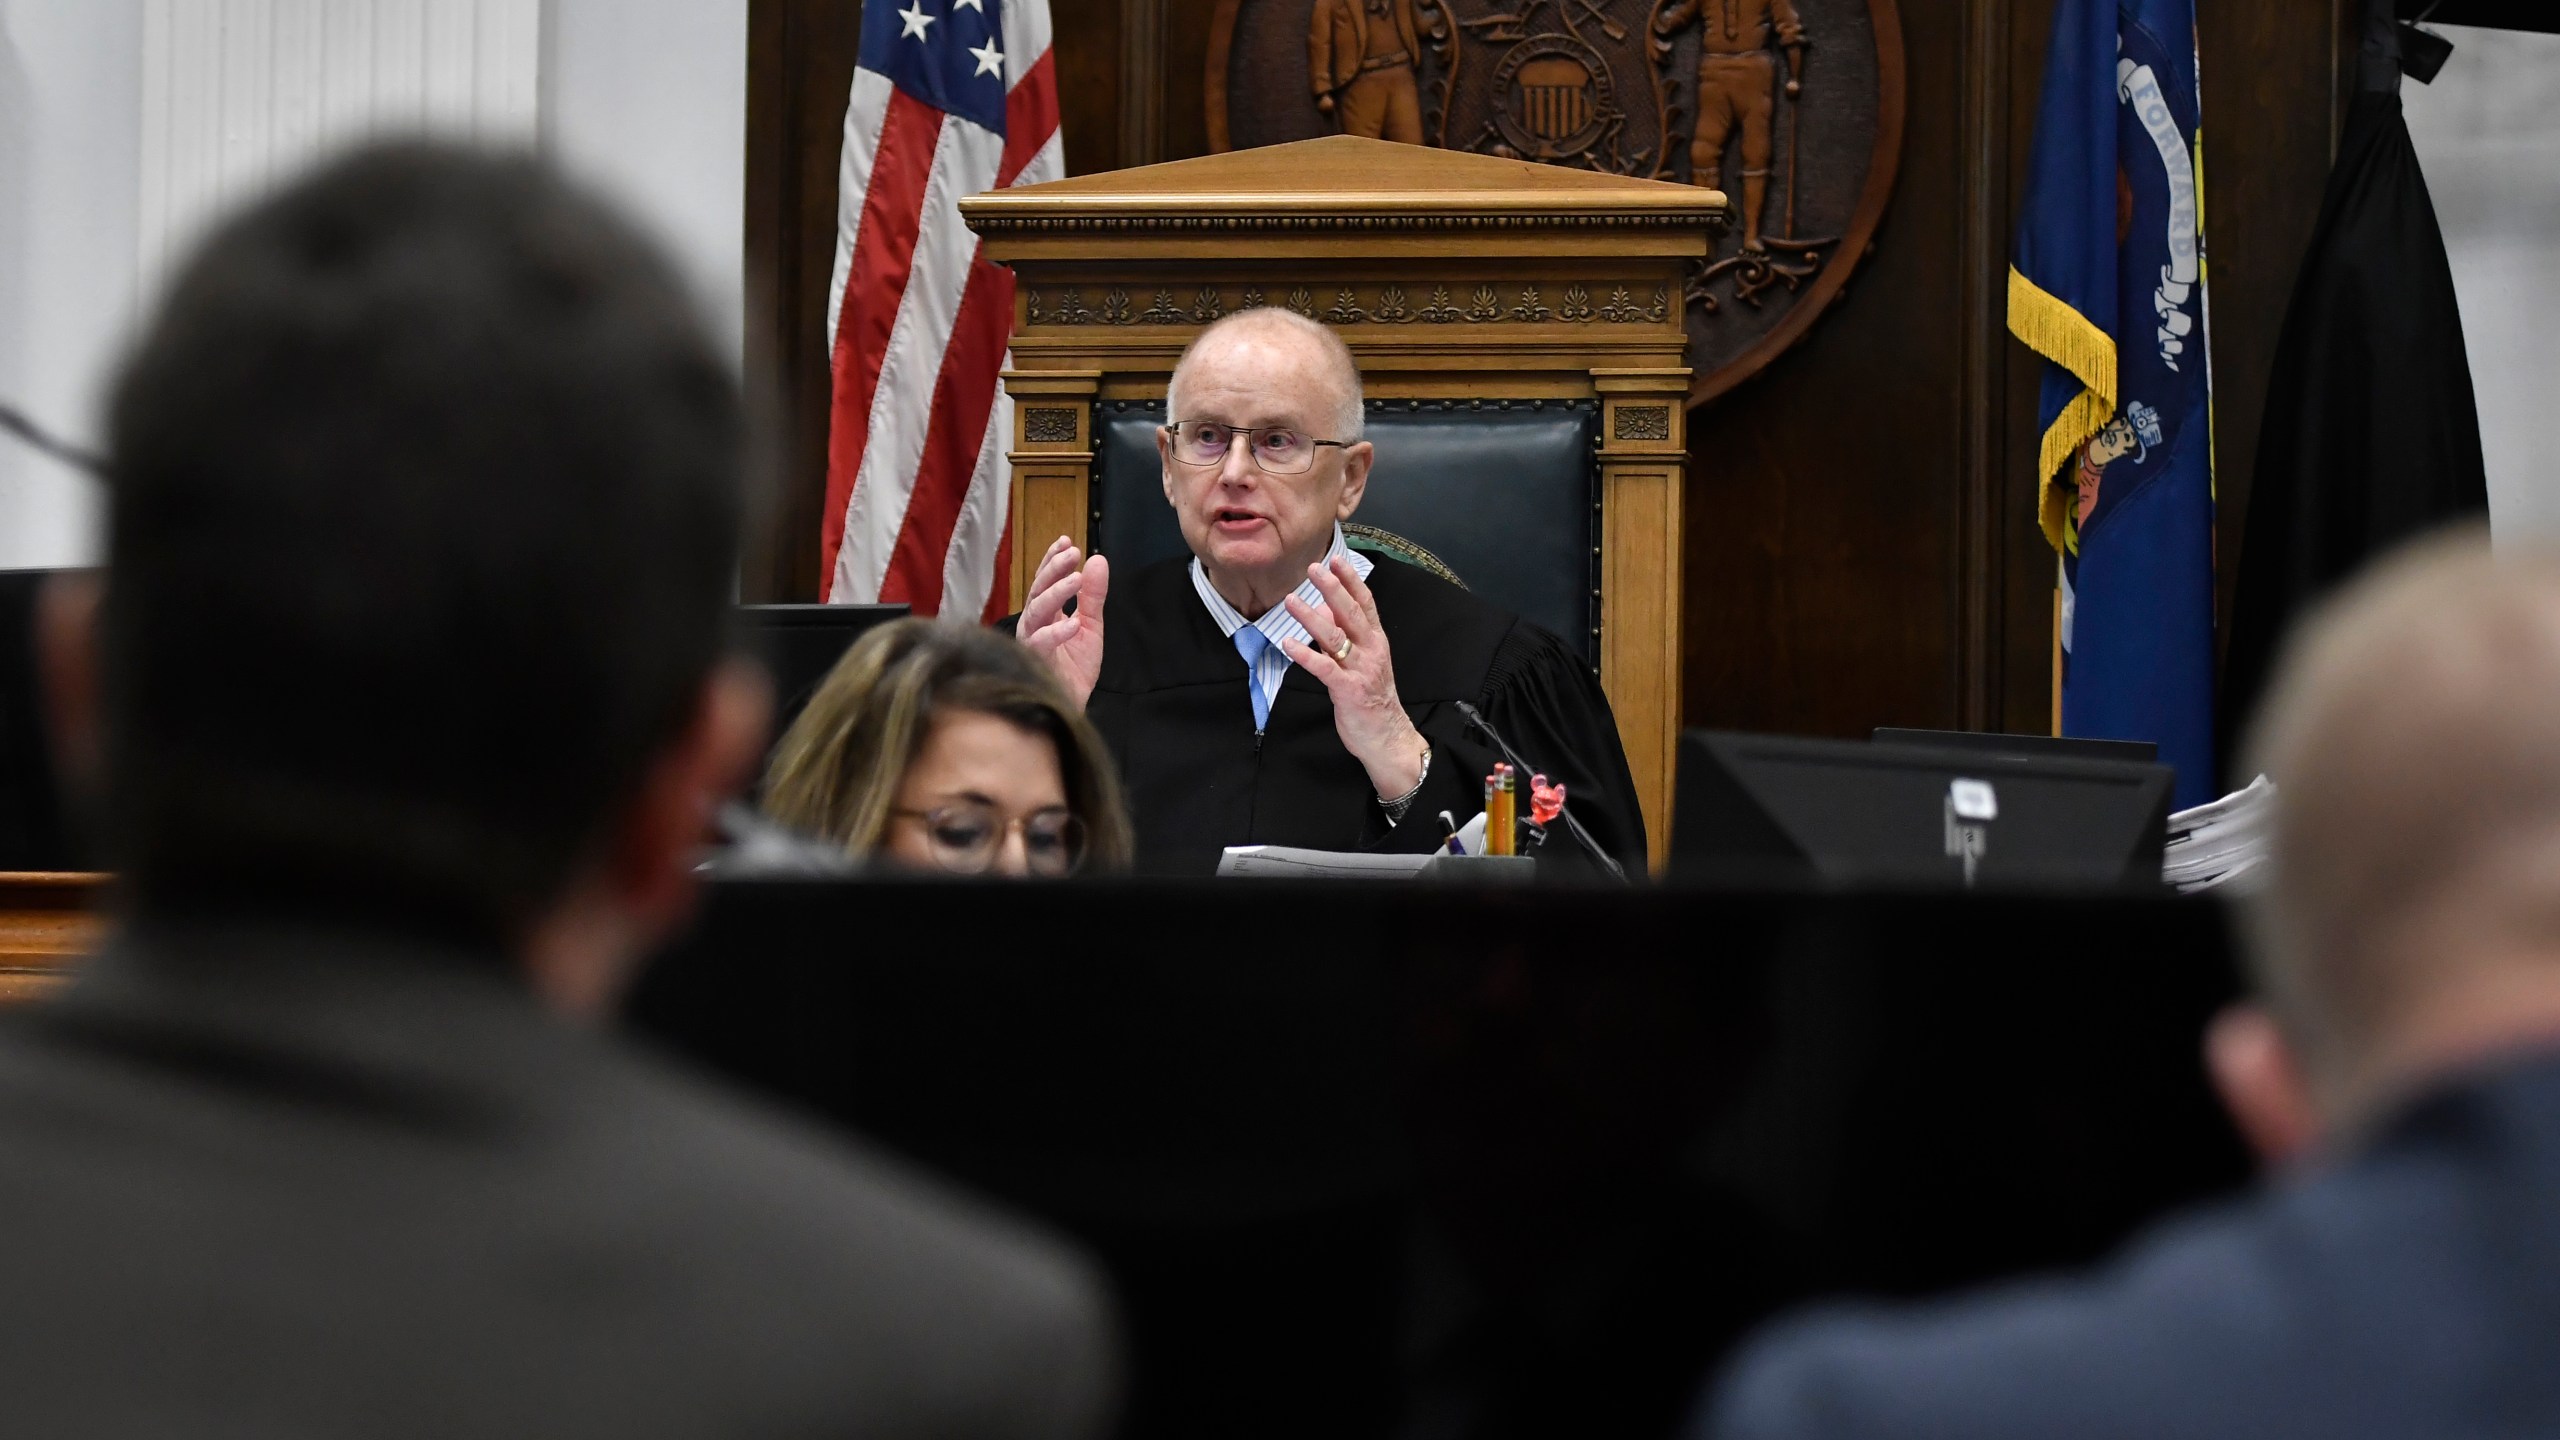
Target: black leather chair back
[[1505, 493]]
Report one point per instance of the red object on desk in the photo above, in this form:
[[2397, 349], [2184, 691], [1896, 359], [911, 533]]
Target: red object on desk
[[1546, 801]]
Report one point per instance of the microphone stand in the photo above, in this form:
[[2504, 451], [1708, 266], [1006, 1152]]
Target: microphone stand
[[1572, 826]]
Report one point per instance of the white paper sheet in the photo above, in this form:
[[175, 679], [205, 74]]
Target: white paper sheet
[[1282, 862]]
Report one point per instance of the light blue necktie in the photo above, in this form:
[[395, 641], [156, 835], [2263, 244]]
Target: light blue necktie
[[1250, 643]]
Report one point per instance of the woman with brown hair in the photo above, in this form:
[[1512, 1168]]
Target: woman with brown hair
[[944, 746]]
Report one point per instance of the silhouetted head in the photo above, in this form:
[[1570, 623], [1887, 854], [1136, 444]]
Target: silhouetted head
[[2411, 925], [425, 509]]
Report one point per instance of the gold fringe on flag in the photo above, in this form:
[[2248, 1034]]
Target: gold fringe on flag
[[2064, 336]]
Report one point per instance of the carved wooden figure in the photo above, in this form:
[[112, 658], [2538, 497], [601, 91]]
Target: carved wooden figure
[[1735, 78], [1662, 89], [1362, 56]]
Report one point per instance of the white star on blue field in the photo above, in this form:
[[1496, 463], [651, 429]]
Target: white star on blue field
[[949, 54]]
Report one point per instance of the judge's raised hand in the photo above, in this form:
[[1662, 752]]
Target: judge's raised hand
[[1072, 644], [1361, 679]]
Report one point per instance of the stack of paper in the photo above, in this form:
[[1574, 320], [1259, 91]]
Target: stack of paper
[[2222, 844], [1283, 862]]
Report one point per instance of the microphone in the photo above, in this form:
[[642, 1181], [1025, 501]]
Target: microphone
[[1572, 826]]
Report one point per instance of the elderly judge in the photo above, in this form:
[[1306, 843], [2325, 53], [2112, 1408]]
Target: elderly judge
[[1277, 687]]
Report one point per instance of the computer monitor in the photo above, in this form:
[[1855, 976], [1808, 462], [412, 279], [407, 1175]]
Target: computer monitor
[[799, 644], [1768, 807], [2031, 746]]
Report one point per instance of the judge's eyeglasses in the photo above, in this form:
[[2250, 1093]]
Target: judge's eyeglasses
[[1278, 449], [966, 839]]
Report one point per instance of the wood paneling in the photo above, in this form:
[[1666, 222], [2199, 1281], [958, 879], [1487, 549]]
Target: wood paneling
[[1825, 507], [800, 56], [1643, 488], [1862, 540], [48, 921], [1186, 78], [1088, 51], [1860, 543]]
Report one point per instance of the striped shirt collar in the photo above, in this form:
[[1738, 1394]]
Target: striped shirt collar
[[1277, 622]]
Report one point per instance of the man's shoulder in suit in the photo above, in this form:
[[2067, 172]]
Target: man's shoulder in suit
[[984, 1310], [384, 1192], [2386, 1296]]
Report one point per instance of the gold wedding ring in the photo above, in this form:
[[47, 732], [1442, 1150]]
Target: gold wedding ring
[[1342, 651]]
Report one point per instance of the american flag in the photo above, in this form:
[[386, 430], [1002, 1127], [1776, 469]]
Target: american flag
[[950, 98]]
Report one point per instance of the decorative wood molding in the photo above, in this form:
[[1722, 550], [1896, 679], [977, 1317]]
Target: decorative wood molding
[[1641, 422], [1147, 220], [1052, 460], [1363, 302], [1323, 190], [1043, 424]]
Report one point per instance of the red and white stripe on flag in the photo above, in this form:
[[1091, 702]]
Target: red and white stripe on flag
[[918, 487]]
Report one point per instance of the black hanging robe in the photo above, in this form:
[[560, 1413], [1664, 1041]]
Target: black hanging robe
[[1173, 705]]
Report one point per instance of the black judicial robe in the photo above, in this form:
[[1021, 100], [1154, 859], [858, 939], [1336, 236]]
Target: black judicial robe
[[1172, 704]]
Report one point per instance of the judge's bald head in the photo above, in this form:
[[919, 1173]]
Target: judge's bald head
[[2413, 919], [1309, 355], [1262, 452]]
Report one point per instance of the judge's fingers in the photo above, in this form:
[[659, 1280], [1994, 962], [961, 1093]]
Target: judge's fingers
[[1050, 601], [1095, 590], [1319, 621], [1358, 587], [1060, 559], [1319, 666], [1049, 637], [1355, 622]]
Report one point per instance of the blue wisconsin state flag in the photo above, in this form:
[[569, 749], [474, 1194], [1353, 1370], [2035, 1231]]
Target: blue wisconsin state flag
[[2108, 286]]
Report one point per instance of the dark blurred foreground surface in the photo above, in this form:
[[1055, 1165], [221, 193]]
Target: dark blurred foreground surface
[[1412, 1160]]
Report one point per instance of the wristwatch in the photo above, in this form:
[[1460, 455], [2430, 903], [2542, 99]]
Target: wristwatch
[[1397, 807]]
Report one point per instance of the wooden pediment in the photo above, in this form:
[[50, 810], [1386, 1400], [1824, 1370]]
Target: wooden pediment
[[1343, 184]]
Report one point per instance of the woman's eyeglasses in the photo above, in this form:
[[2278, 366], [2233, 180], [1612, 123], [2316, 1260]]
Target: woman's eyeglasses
[[966, 839]]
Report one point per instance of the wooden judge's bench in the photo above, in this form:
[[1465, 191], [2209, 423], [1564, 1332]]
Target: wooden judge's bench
[[1469, 288], [48, 920]]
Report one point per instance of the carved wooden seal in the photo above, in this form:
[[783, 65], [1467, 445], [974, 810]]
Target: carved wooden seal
[[1792, 107]]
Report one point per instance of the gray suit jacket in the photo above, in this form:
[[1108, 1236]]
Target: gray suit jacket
[[263, 1183], [2411, 1290]]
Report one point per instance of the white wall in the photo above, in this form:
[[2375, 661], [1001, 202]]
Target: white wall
[[238, 94], [2488, 136], [649, 98], [645, 97], [70, 148]]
